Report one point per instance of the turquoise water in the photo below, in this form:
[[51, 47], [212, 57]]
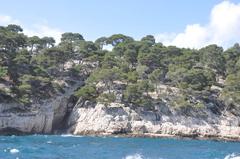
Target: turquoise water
[[77, 147]]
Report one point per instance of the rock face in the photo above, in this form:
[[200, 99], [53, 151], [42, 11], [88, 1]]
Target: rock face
[[88, 118], [25, 123], [119, 119], [41, 118]]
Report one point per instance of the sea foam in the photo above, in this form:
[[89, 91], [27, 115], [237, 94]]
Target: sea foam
[[232, 156], [13, 151], [49, 142], [135, 156], [70, 135]]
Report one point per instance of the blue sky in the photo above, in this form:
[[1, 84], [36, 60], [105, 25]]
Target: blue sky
[[96, 18]]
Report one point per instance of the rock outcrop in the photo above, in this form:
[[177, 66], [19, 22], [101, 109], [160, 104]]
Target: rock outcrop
[[89, 118], [119, 119], [37, 121], [43, 117], [40, 120]]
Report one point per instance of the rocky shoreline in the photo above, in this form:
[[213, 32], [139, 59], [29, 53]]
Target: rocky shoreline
[[164, 136], [117, 119], [129, 135], [62, 116], [133, 135]]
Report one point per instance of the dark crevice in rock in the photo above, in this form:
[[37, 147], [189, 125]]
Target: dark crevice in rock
[[12, 131], [62, 126]]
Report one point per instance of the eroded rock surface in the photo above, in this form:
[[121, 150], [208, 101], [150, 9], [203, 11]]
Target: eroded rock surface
[[119, 119]]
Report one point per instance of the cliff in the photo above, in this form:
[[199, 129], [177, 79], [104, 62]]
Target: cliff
[[95, 118], [41, 118], [86, 117], [117, 119]]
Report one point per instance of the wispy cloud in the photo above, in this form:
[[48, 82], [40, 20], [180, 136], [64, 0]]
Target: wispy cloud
[[4, 20], [222, 29], [40, 30]]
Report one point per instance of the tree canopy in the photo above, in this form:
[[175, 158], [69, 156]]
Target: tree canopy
[[133, 68]]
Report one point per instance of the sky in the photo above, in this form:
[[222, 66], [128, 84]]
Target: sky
[[184, 23]]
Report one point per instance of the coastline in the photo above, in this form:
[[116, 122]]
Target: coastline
[[136, 135], [167, 136]]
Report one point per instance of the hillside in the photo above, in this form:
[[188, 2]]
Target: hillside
[[143, 80]]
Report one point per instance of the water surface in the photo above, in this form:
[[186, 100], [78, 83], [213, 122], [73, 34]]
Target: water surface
[[77, 147]]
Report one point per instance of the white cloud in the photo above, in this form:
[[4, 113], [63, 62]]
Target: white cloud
[[40, 30], [5, 20], [223, 29], [165, 37]]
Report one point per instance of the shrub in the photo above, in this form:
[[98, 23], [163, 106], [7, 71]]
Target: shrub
[[87, 92], [25, 88], [135, 94], [106, 98], [25, 99], [3, 71]]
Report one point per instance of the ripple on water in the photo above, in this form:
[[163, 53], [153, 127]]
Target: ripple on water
[[49, 142], [73, 147]]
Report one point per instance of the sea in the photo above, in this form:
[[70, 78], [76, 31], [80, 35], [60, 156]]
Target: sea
[[82, 147]]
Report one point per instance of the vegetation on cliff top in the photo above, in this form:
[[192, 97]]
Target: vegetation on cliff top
[[129, 73]]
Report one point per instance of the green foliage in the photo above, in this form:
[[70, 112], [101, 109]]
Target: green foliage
[[130, 56], [197, 79], [110, 60], [183, 102], [133, 94], [75, 70], [3, 71], [56, 55], [47, 42], [231, 91], [107, 76], [85, 48], [176, 73], [14, 28], [212, 57], [25, 99], [100, 42], [23, 57], [71, 37], [132, 77], [157, 75], [150, 59], [142, 71], [149, 39], [30, 68], [145, 86], [106, 98], [24, 88], [118, 38], [137, 94], [34, 43], [88, 92], [231, 57]]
